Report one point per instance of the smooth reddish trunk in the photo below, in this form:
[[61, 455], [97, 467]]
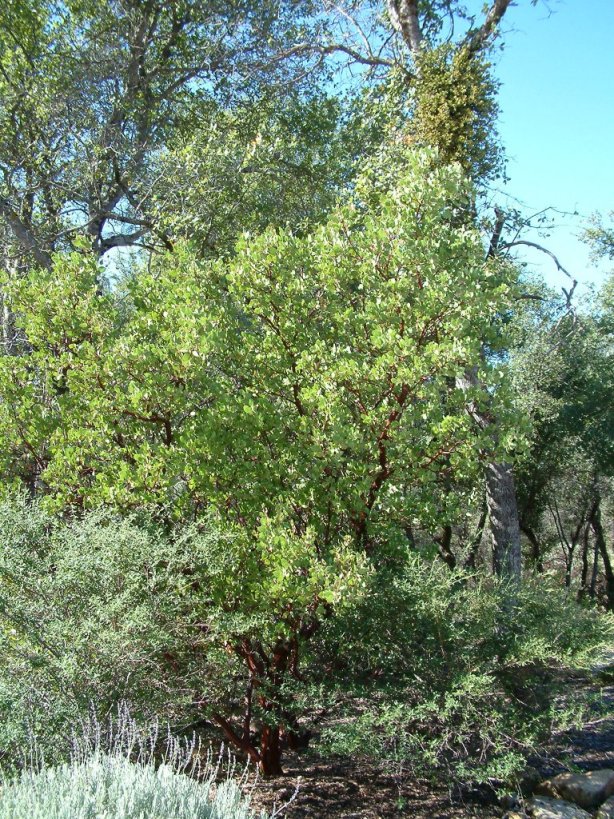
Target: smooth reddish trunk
[[270, 751]]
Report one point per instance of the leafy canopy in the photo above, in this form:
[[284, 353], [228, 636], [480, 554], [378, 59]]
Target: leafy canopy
[[313, 375]]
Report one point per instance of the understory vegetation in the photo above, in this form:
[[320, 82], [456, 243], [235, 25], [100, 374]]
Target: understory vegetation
[[108, 611], [295, 454], [118, 789], [121, 771]]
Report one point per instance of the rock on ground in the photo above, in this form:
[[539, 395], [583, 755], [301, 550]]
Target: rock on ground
[[542, 807], [588, 790], [606, 811]]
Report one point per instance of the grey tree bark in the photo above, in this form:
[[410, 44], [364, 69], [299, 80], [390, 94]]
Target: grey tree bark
[[601, 547], [503, 517], [504, 523]]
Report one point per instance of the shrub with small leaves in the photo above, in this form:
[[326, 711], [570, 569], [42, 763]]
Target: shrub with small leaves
[[463, 680], [115, 788]]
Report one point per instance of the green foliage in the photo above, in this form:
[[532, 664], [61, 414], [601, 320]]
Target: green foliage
[[459, 681], [314, 374], [564, 375], [76, 621], [600, 237], [265, 163], [562, 378], [455, 110]]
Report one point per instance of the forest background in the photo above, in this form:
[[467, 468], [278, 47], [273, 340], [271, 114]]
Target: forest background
[[316, 459]]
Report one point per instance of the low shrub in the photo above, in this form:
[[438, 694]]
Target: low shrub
[[125, 771], [445, 674], [84, 624], [115, 788]]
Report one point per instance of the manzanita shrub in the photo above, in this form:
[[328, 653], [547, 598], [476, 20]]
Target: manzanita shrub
[[300, 402], [309, 376]]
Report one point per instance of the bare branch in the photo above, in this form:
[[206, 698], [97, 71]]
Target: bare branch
[[23, 234], [541, 248], [477, 40], [568, 293]]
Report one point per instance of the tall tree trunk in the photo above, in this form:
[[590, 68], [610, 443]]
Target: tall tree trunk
[[536, 552], [602, 547], [404, 16], [500, 488], [583, 590], [503, 517], [504, 523]]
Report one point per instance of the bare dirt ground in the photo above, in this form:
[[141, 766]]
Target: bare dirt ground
[[346, 789]]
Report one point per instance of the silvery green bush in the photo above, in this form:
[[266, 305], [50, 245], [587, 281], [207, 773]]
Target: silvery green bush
[[121, 770], [108, 786]]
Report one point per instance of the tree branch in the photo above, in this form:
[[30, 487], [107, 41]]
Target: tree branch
[[478, 40], [324, 50], [404, 18], [568, 293], [233, 737], [495, 239], [543, 249], [24, 235], [121, 240]]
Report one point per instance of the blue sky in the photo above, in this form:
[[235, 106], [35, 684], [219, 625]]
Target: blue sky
[[557, 121]]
